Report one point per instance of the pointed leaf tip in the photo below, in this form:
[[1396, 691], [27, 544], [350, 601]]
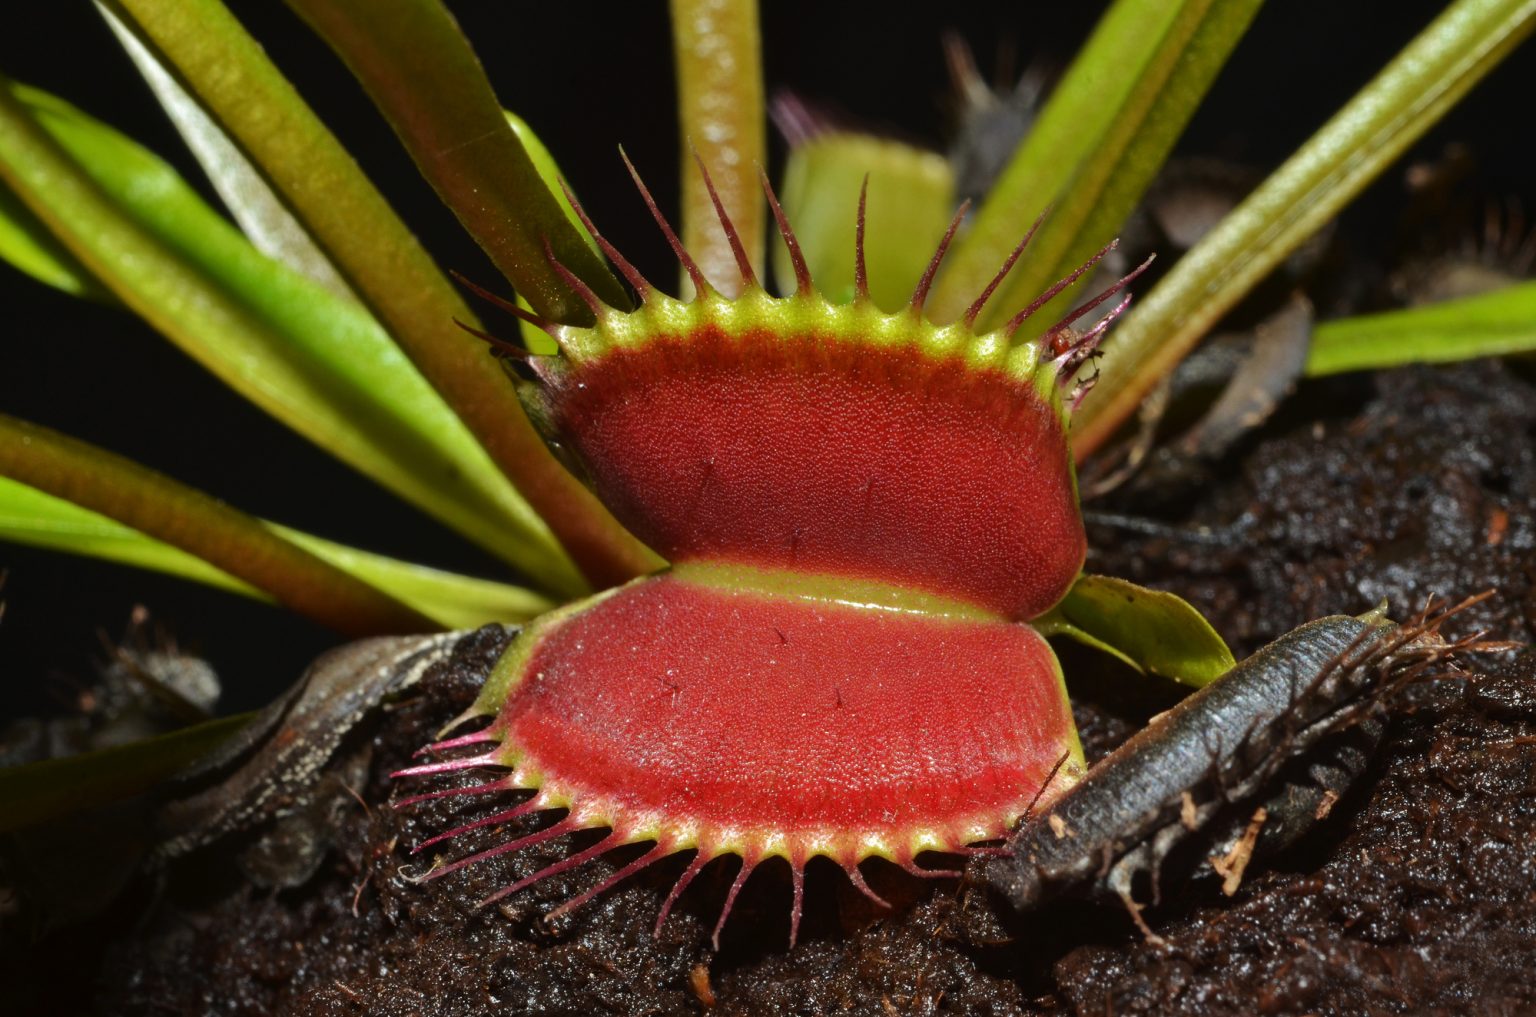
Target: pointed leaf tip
[[1151, 630]]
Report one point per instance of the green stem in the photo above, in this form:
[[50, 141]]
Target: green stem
[[382, 261], [182, 517], [720, 112], [1424, 81]]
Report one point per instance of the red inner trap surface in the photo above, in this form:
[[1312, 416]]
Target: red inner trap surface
[[829, 456], [674, 704]]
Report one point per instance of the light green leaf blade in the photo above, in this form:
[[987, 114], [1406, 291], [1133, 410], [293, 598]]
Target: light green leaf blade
[[27, 244], [1404, 100], [1151, 630], [453, 600], [549, 171], [317, 362], [259, 212], [911, 201], [28, 516], [1101, 138], [1487, 325], [238, 544]]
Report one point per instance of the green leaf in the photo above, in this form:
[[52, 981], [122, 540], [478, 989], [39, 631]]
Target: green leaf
[[421, 73], [224, 537], [451, 599], [717, 52], [28, 516], [27, 244], [1151, 630], [1098, 143], [261, 215], [535, 338], [1486, 325], [1409, 95], [231, 77], [911, 200], [316, 362], [549, 171], [39, 792]]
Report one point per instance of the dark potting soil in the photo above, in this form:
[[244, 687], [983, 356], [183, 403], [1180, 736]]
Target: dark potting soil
[[1417, 895]]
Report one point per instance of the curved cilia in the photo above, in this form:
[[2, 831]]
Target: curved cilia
[[863, 511]]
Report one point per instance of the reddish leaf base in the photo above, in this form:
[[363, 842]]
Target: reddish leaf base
[[764, 724]]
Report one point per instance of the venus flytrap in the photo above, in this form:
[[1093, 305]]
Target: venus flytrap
[[843, 634], [870, 511]]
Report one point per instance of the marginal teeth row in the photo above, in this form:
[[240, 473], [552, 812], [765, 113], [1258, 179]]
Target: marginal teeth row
[[751, 849], [745, 303]]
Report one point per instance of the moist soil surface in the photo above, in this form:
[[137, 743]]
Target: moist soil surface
[[1417, 894]]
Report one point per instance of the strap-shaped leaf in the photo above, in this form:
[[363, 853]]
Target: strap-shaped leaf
[[232, 78], [910, 202], [27, 243], [38, 792], [222, 536], [1487, 325], [315, 361], [418, 68], [1151, 630], [260, 213], [1099, 141], [1409, 95], [452, 600], [28, 516], [535, 338], [718, 55]]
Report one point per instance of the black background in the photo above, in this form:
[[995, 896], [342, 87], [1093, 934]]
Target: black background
[[587, 76]]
